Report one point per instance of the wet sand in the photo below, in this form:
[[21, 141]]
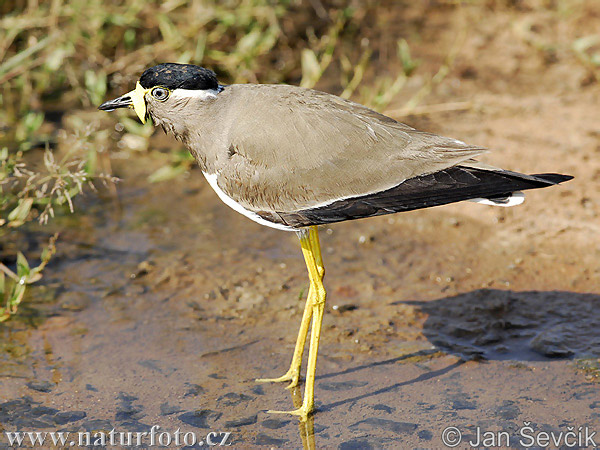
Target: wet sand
[[168, 321], [162, 308]]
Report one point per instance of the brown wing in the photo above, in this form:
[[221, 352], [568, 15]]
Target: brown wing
[[292, 148]]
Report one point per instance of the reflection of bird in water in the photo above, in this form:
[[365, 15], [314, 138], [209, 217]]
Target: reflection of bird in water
[[305, 427], [292, 158]]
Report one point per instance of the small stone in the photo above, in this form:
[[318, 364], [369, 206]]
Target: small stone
[[508, 411], [274, 424], [166, 409], [550, 343], [342, 385], [40, 386], [258, 390], [143, 268], [263, 439], [30, 422], [382, 407], [129, 414], [232, 399], [126, 397], [199, 418], [42, 410], [357, 444], [241, 422], [426, 435], [344, 308], [15, 408], [64, 417], [216, 376], [385, 424], [194, 390], [488, 338], [463, 404], [155, 365], [135, 426], [74, 301], [97, 425]]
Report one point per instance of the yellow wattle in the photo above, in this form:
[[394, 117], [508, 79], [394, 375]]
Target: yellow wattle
[[139, 104]]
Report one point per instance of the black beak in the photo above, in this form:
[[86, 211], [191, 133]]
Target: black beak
[[121, 102]]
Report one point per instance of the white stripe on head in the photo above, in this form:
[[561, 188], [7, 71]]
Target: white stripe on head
[[202, 94]]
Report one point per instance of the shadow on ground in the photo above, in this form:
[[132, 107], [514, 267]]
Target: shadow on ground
[[518, 326]]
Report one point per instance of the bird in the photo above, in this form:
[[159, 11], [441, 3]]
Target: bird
[[293, 158]]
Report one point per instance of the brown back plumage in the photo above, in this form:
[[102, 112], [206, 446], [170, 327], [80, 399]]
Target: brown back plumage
[[288, 148]]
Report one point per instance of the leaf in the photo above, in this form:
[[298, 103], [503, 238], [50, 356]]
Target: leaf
[[166, 173], [584, 48], [25, 57], [583, 44], [311, 69], [55, 58], [248, 43], [95, 83], [37, 276], [135, 127], [49, 250], [16, 297], [23, 269], [91, 162], [408, 63], [4, 315], [18, 215]]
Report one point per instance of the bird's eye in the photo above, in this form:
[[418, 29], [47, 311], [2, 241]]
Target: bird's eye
[[160, 93]]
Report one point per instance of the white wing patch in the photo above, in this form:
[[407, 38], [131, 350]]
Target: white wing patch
[[212, 180], [516, 198]]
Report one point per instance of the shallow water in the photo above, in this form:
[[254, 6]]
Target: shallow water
[[162, 309]]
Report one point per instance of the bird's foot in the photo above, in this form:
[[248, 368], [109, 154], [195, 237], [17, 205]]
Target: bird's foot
[[303, 412], [289, 376]]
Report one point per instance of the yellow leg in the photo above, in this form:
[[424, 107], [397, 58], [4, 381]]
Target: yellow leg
[[314, 263], [293, 373]]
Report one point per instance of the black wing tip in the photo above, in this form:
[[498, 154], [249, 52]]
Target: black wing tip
[[450, 185], [554, 178]]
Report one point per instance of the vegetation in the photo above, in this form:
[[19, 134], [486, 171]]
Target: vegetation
[[27, 195], [51, 56], [60, 58]]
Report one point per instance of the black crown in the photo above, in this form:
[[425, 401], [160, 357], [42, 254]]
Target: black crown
[[182, 76]]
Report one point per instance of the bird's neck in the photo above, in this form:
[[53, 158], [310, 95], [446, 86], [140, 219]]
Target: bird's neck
[[200, 130]]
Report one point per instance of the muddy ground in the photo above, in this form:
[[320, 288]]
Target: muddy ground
[[161, 308]]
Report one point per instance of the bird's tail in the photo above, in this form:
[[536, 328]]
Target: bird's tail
[[469, 181], [517, 197]]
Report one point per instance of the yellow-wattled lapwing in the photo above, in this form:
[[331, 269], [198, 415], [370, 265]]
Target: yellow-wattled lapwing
[[293, 158]]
